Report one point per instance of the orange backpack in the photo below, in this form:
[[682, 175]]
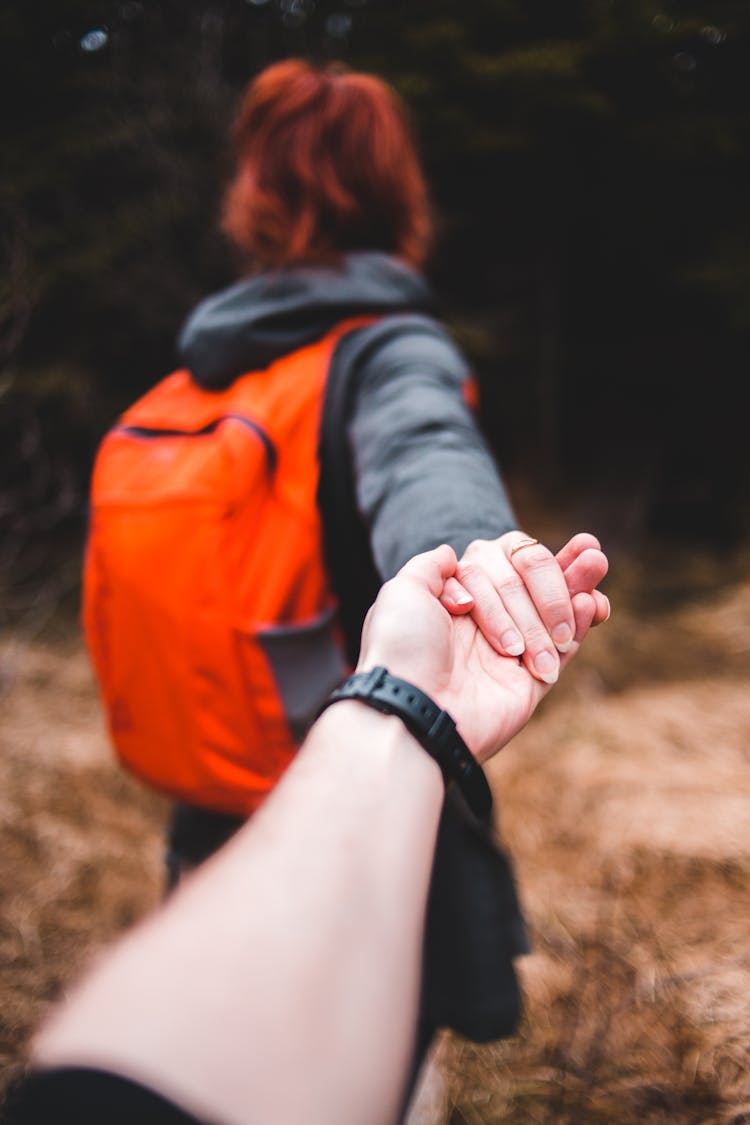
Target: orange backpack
[[207, 609]]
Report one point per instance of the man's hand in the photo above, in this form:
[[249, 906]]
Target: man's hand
[[525, 597], [410, 631]]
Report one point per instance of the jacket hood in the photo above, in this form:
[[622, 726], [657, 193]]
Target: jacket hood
[[250, 324]]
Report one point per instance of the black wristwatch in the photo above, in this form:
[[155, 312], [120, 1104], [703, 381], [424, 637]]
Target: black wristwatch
[[433, 728]]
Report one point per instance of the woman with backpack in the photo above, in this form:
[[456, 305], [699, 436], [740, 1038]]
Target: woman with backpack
[[318, 434]]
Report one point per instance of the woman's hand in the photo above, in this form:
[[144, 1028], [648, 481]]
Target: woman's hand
[[446, 653], [524, 595]]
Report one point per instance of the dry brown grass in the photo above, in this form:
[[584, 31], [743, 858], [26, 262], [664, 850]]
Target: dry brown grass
[[625, 802], [79, 840]]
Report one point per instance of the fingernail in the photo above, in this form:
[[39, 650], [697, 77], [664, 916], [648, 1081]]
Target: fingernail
[[462, 597], [547, 667], [562, 636], [512, 642], [609, 609]]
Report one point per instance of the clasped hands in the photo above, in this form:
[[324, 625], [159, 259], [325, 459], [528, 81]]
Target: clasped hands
[[487, 635]]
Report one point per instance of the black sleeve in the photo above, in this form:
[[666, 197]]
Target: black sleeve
[[87, 1096]]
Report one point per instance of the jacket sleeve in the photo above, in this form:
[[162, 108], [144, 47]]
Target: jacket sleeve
[[424, 474]]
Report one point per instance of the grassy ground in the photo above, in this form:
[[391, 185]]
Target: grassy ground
[[626, 806]]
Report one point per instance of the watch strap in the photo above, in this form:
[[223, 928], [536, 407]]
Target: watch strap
[[432, 727]]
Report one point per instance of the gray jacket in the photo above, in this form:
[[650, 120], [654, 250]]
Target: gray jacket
[[423, 474]]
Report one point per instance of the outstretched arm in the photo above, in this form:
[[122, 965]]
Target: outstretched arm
[[281, 981], [280, 984]]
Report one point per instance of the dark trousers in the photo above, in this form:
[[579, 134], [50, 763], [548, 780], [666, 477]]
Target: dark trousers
[[474, 927]]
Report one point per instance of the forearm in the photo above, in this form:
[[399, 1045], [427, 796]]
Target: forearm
[[306, 941]]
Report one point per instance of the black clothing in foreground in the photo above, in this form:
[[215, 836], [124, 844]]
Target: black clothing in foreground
[[83, 1096]]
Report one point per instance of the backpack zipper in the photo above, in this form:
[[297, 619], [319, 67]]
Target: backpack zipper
[[159, 432]]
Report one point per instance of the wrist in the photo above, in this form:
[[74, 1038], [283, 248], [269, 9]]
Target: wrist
[[381, 740], [431, 726]]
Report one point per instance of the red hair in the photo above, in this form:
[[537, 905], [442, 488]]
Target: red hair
[[325, 163]]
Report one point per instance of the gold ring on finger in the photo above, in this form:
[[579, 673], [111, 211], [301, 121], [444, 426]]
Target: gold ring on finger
[[528, 542]]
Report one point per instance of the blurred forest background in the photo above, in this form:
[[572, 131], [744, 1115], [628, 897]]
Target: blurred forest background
[[589, 165]]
